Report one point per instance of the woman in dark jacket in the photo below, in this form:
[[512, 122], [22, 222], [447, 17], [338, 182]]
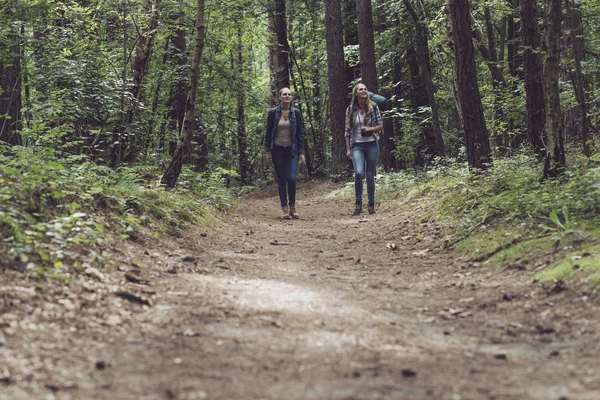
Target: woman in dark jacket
[[284, 144]]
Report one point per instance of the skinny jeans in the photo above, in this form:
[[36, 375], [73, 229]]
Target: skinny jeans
[[286, 169], [364, 158]]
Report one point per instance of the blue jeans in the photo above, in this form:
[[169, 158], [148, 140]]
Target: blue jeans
[[365, 153], [286, 168]]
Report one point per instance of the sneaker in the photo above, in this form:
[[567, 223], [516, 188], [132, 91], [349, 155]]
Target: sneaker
[[286, 212], [371, 208], [293, 212], [357, 208]]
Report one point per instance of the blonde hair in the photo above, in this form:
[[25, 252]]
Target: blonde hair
[[354, 104]]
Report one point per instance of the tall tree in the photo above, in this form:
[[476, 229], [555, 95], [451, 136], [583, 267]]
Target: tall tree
[[554, 140], [337, 84], [532, 70], [171, 175], [139, 67], [467, 89], [577, 49], [10, 81], [282, 47], [512, 40], [366, 43], [425, 149], [242, 139], [350, 39], [422, 48]]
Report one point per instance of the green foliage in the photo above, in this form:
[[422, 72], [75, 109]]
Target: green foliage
[[506, 206], [58, 211]]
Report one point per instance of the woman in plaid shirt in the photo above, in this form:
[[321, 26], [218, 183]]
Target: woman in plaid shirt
[[363, 124]]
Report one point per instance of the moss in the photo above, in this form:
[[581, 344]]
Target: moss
[[584, 263]]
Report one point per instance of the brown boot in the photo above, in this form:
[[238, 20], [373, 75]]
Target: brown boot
[[286, 212], [293, 212], [357, 208]]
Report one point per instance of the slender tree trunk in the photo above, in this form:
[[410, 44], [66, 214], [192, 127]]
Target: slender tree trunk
[[425, 149], [366, 42], [337, 84], [573, 24], [396, 162], [532, 69], [242, 139], [10, 92], [180, 62], [514, 59], [282, 70], [471, 109], [424, 62], [555, 152], [350, 38], [170, 177]]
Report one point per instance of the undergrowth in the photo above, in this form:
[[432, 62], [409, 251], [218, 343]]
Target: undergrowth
[[57, 210], [508, 214]]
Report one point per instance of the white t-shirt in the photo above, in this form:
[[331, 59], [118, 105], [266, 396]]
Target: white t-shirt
[[358, 124]]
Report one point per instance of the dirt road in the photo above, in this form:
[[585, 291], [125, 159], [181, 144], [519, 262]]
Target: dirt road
[[330, 306]]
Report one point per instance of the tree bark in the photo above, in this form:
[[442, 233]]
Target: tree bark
[[471, 109], [337, 84], [532, 69], [555, 152], [575, 29], [172, 173], [139, 68], [181, 64], [10, 91], [425, 149], [282, 47], [242, 139], [366, 43], [424, 62], [350, 38]]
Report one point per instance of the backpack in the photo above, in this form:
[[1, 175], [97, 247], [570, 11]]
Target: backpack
[[381, 101]]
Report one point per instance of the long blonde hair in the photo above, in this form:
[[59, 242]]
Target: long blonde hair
[[354, 104]]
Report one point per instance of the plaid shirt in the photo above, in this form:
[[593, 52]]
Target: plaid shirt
[[375, 120]]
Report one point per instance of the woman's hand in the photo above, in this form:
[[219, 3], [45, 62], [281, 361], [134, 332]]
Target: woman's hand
[[268, 157], [303, 159], [366, 129], [349, 154]]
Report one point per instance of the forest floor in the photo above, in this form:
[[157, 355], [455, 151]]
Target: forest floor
[[330, 306]]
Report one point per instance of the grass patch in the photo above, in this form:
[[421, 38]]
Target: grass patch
[[583, 263]]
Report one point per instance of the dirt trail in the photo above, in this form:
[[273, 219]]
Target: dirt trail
[[318, 308]]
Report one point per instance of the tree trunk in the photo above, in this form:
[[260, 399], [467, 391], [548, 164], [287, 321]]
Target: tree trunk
[[532, 69], [425, 149], [170, 177], [424, 62], [10, 91], [350, 38], [139, 68], [242, 139], [366, 42], [576, 31], [471, 109], [555, 152], [514, 59], [180, 62], [337, 84], [282, 47]]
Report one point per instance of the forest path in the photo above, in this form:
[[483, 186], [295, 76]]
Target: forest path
[[318, 308]]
